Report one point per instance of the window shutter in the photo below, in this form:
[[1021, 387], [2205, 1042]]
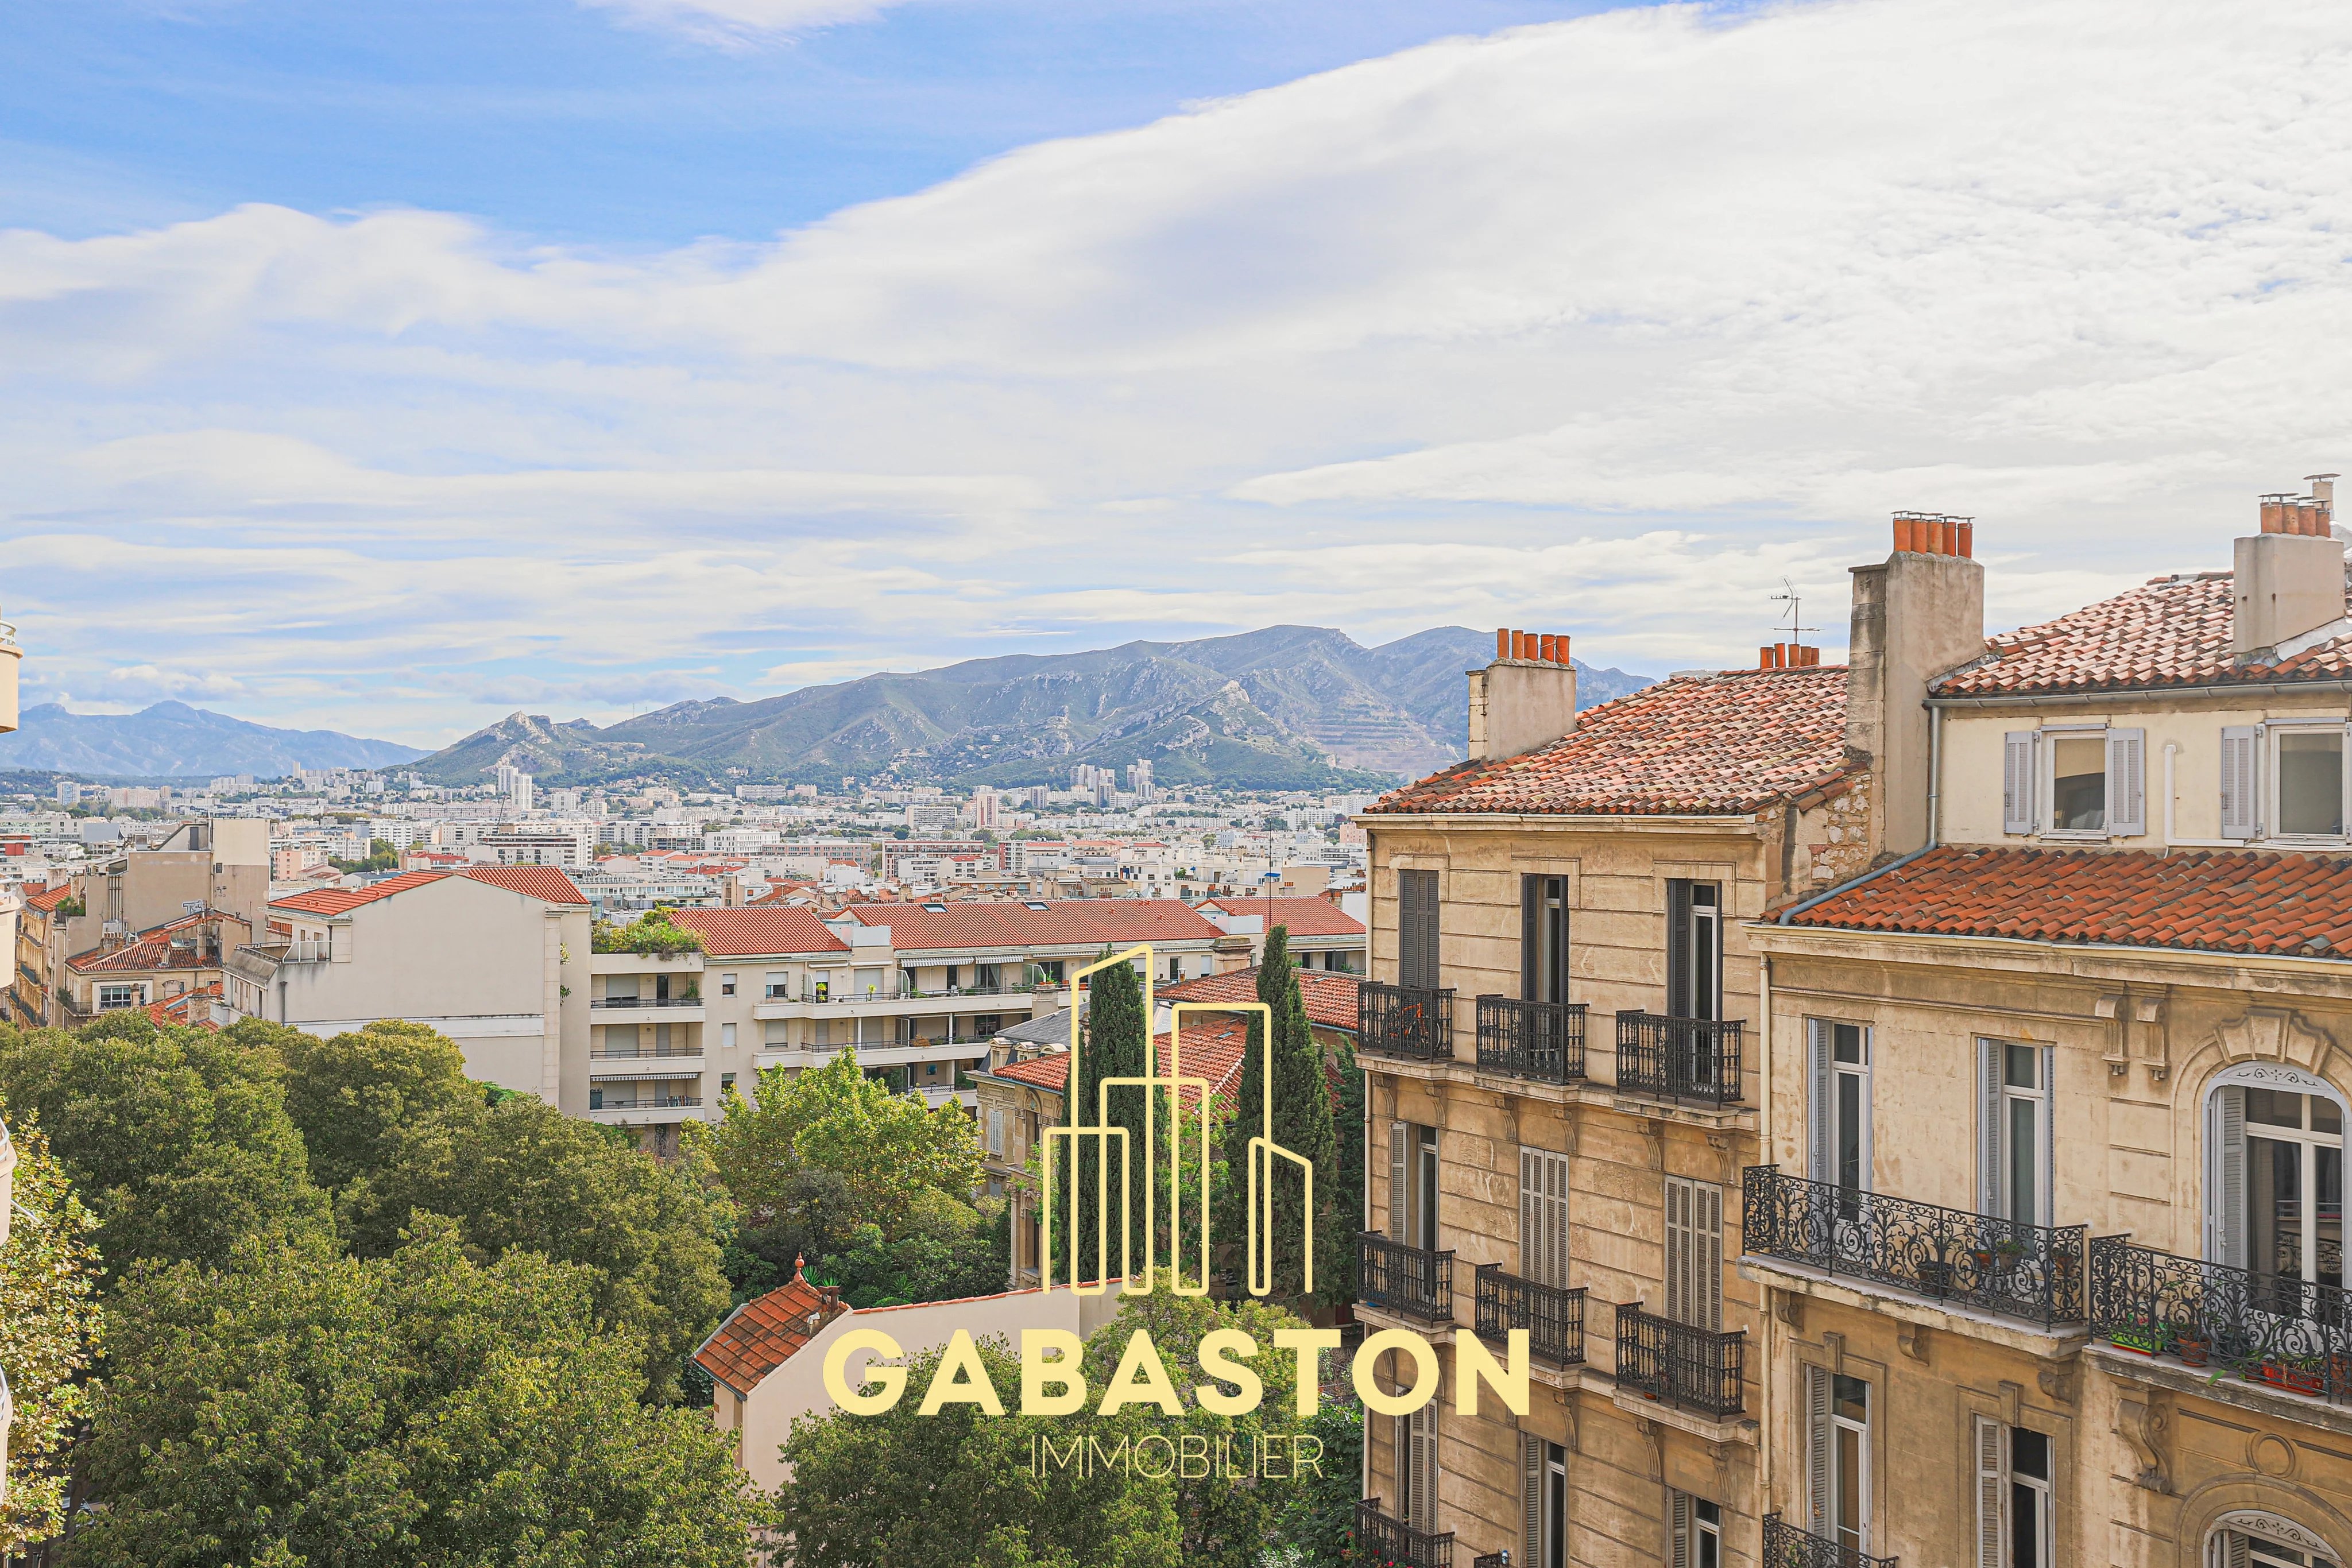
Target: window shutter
[[1678, 946], [2017, 782], [2126, 783], [1405, 1472], [1424, 1421], [1678, 1248], [1822, 1081], [996, 1133], [1543, 1216], [1531, 953], [2233, 1550], [1706, 1256], [1398, 1191], [1817, 1451], [1987, 1126], [1992, 1494], [2242, 810], [1531, 1491], [2230, 1159], [1417, 929], [1679, 1527]]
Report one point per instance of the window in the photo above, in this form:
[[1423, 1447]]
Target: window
[[2307, 764], [1416, 1457], [1051, 969], [1696, 1526], [1412, 1185], [114, 998], [779, 985], [2078, 784], [726, 1082], [1839, 1090], [1543, 938], [1694, 1252], [2016, 1516], [2240, 1549], [1543, 1216], [2013, 1092], [726, 1036], [2093, 781], [1837, 1458], [1417, 929], [2276, 1202], [1694, 949], [996, 1135], [1543, 1486], [726, 984]]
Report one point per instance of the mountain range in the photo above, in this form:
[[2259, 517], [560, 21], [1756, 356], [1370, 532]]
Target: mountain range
[[172, 739], [1282, 707]]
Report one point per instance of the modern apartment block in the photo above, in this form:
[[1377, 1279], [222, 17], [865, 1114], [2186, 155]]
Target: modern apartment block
[[1958, 1178]]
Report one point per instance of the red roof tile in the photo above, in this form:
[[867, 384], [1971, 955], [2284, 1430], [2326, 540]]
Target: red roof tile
[[545, 882], [2173, 632], [336, 899], [152, 951], [1304, 916], [2227, 902], [1061, 923], [188, 1008], [1331, 998], [740, 933], [47, 899], [1213, 1050], [764, 1333], [1725, 743]]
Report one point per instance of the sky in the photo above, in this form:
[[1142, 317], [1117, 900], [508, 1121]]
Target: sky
[[391, 368]]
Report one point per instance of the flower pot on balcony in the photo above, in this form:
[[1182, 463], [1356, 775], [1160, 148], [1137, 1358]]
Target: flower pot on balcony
[[2294, 1379], [1936, 1277], [2139, 1342], [1982, 1257], [2194, 1350], [2340, 1372]]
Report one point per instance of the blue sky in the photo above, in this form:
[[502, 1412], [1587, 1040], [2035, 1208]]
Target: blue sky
[[390, 368]]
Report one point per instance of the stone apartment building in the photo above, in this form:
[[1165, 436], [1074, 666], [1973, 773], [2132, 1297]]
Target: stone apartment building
[[2014, 1236]]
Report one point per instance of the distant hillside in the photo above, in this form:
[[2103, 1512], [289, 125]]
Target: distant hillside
[[1285, 707], [174, 740]]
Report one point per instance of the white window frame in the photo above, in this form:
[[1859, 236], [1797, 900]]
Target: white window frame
[[128, 995], [1824, 1423], [1824, 1074], [2220, 1245], [1994, 1098], [2271, 732], [2046, 768]]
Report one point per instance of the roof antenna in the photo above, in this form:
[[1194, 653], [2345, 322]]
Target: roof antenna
[[1788, 596]]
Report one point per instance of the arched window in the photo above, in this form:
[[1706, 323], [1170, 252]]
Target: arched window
[[2274, 1180], [2256, 1539]]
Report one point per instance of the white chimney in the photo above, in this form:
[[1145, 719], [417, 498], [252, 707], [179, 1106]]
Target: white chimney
[[2288, 580], [1525, 699]]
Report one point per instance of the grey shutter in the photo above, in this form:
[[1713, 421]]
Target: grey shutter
[[1678, 1526], [1678, 1250], [1399, 1192], [1817, 1451], [1992, 1493], [1989, 1140], [2229, 1177], [1405, 1473], [1417, 929], [1531, 1491], [2126, 783], [1425, 1422], [2233, 1550], [1531, 953], [2241, 751], [1543, 1216], [1706, 1256], [1821, 1084], [2017, 782], [1678, 946]]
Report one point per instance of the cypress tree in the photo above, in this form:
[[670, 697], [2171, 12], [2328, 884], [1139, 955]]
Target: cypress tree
[[1116, 1042], [1302, 1124]]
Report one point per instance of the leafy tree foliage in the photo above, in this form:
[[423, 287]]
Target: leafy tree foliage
[[178, 1140], [357, 1097], [1316, 1522], [947, 1251], [1302, 1124], [309, 1408], [48, 1334], [651, 931]]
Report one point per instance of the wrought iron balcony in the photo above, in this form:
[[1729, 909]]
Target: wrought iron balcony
[[1385, 1543], [1492, 1560], [1411, 1281], [1696, 1060], [2263, 1327], [1553, 1317], [1699, 1369], [1543, 1040], [1786, 1546], [2029, 1271], [1404, 1020]]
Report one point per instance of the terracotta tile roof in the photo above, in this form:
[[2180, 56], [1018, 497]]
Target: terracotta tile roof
[[1213, 1050], [2206, 901], [1304, 916], [152, 951], [764, 1333], [190, 1008], [2173, 632], [739, 933], [1331, 998], [336, 899], [545, 882], [1061, 923], [1725, 743], [47, 899]]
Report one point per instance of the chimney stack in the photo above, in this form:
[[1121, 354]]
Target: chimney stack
[[2288, 578], [1525, 699], [1915, 615]]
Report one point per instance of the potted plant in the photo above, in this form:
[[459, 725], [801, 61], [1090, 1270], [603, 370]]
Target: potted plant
[[1936, 1277], [2191, 1345], [2139, 1338], [2296, 1375]]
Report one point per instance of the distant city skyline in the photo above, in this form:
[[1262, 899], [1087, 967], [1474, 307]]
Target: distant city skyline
[[388, 372]]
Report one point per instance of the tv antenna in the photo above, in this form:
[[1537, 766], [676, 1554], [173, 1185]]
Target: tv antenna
[[1789, 596]]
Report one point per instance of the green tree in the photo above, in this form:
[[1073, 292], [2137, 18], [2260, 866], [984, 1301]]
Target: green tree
[[177, 1140], [948, 1250], [309, 1408], [1316, 1522], [1302, 1124], [356, 1097], [1348, 1194], [882, 1149], [523, 1175], [1116, 1045], [49, 1334]]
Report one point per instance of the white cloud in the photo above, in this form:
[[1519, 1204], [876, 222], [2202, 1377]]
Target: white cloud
[[737, 22], [1603, 326]]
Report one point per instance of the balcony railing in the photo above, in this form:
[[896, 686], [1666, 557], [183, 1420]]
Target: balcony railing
[[2029, 1271], [1404, 1020], [1385, 1543], [1786, 1546], [2263, 1327], [1411, 1281], [1553, 1317], [601, 1003], [650, 1102], [647, 1053], [1543, 1040], [1699, 1369], [1696, 1060]]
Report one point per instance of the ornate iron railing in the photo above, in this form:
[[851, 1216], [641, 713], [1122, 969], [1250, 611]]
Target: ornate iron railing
[[2029, 1271], [1492, 1560], [1553, 1317], [1679, 1058], [1699, 1369], [2264, 1328], [1542, 1040], [1404, 1020], [1385, 1543], [1786, 1546], [1412, 1281]]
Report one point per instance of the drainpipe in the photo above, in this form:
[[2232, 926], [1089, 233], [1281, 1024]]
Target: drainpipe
[[1935, 775], [2172, 749]]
